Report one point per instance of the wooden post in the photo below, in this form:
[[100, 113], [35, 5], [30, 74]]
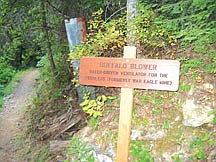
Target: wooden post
[[125, 116]]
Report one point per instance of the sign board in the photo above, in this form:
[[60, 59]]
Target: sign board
[[130, 73], [76, 31]]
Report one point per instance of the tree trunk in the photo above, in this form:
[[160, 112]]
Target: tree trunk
[[48, 44], [131, 13]]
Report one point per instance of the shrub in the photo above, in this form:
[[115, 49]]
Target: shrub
[[6, 72]]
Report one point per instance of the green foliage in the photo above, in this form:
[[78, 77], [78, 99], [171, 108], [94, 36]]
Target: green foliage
[[23, 40], [61, 70], [18, 48], [193, 63], [108, 38], [1, 102], [214, 120], [140, 153], [19, 53], [104, 39], [153, 37], [184, 87], [166, 124], [95, 107], [93, 123], [47, 89], [41, 154], [193, 22], [1, 90], [79, 151], [190, 65], [197, 146], [211, 67], [213, 112], [6, 72], [49, 97], [176, 157]]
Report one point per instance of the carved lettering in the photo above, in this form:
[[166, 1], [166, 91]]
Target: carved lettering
[[133, 73], [119, 65], [150, 81], [118, 80], [90, 78], [110, 72], [143, 66], [95, 71], [104, 64], [137, 80], [152, 74], [163, 75], [166, 82]]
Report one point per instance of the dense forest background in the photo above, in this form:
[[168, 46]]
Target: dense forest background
[[29, 30], [32, 34]]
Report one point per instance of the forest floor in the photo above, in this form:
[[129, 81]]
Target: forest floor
[[10, 117]]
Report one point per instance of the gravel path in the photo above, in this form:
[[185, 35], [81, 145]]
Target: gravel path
[[11, 114]]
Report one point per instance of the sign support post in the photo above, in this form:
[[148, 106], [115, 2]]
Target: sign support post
[[125, 117]]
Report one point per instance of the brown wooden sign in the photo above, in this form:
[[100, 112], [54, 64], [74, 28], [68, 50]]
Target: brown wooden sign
[[130, 73]]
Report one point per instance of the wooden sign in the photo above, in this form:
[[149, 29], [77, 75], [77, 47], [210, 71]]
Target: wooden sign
[[130, 73]]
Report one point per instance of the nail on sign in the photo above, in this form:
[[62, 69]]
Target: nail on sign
[[130, 73]]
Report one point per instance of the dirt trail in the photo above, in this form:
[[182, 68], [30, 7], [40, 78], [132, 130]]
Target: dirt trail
[[11, 114]]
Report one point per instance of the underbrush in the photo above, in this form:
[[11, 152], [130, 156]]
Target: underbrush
[[51, 101], [29, 149]]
